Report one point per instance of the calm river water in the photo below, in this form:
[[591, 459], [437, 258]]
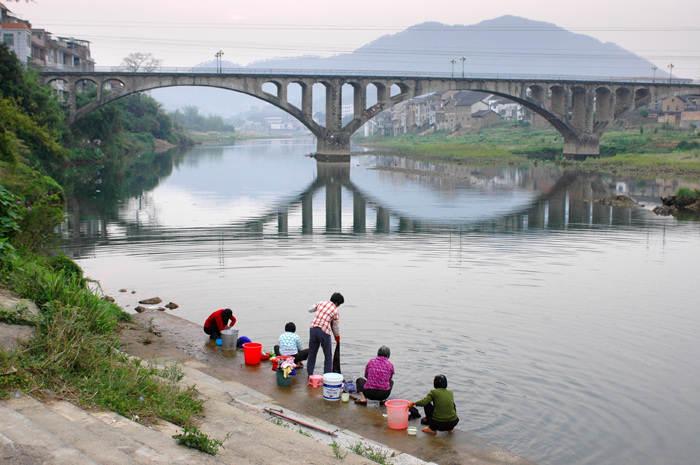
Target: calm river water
[[568, 330]]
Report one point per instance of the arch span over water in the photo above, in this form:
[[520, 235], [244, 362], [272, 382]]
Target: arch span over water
[[581, 110]]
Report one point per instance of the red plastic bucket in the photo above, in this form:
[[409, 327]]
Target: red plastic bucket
[[252, 352]]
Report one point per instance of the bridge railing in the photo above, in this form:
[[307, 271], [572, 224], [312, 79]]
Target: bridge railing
[[383, 74]]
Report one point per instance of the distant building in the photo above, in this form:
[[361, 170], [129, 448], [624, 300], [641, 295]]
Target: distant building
[[37, 47], [690, 119], [347, 109], [484, 118], [677, 104], [444, 111], [508, 110], [16, 34]]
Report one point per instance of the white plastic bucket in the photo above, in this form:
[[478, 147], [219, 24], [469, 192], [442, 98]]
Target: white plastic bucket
[[332, 385], [229, 338]]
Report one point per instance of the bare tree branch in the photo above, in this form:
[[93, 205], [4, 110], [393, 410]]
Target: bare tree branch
[[139, 61]]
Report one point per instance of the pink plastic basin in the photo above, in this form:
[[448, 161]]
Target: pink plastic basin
[[397, 413]]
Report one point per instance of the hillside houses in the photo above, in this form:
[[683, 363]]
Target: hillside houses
[[38, 47], [445, 111], [683, 111]]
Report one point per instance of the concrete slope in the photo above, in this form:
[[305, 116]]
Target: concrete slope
[[31, 441], [142, 444], [235, 405], [72, 434]]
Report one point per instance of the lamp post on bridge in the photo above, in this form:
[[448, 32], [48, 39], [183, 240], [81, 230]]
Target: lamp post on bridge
[[653, 69], [670, 76], [218, 56], [453, 61], [463, 59]]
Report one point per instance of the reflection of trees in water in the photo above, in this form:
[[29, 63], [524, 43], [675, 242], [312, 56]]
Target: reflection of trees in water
[[120, 177], [95, 194], [567, 200]]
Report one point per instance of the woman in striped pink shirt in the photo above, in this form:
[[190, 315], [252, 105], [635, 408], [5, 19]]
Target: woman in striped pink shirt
[[324, 324]]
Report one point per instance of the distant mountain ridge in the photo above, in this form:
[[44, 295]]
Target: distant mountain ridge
[[505, 45], [502, 46]]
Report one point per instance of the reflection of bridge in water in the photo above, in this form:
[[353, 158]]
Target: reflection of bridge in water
[[565, 203], [569, 202]]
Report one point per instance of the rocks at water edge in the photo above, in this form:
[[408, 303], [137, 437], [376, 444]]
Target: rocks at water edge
[[674, 205], [172, 305], [619, 201], [140, 309], [151, 301]]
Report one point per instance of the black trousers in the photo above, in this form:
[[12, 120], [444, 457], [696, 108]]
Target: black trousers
[[437, 425], [213, 331], [373, 394]]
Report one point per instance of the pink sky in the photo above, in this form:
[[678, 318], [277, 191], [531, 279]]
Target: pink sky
[[188, 33]]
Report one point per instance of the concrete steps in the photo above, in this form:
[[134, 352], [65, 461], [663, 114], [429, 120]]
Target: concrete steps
[[32, 441]]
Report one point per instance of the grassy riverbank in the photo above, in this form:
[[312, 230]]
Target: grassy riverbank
[[656, 151], [73, 352], [213, 138]]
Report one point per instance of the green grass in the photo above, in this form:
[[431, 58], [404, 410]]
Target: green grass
[[662, 150], [337, 450], [74, 352], [688, 193], [195, 439], [369, 452], [672, 164]]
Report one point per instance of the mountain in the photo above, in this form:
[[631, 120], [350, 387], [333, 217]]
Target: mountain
[[505, 45], [508, 45]]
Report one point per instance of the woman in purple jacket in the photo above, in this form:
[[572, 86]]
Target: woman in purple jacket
[[377, 383]]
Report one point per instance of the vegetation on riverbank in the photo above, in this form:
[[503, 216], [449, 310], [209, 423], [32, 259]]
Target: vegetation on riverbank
[[73, 352], [213, 138], [662, 150]]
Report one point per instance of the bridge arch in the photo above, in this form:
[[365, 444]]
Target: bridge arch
[[580, 110]]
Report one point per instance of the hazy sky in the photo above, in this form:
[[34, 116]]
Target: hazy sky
[[189, 33]]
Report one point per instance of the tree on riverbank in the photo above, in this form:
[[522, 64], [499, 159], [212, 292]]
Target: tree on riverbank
[[190, 118]]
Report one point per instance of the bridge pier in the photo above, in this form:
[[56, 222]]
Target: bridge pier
[[333, 147], [579, 148]]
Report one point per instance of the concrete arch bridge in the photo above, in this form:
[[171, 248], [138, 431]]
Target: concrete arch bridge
[[580, 109]]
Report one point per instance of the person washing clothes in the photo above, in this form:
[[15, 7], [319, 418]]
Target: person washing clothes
[[217, 322], [377, 383], [324, 324], [439, 406], [290, 344]]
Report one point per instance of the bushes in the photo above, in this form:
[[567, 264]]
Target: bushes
[[42, 149], [686, 145], [9, 225], [687, 193], [125, 125]]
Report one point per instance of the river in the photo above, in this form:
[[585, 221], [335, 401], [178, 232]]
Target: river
[[567, 329]]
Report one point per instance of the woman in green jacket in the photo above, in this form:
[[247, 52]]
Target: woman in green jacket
[[439, 406]]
